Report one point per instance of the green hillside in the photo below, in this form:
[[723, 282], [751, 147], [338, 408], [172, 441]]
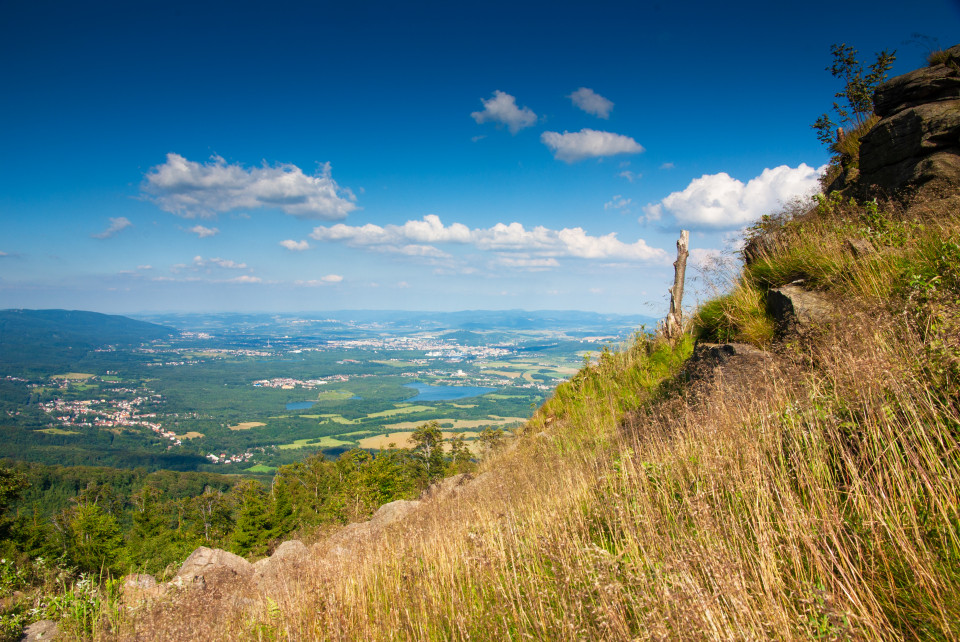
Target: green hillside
[[50, 339]]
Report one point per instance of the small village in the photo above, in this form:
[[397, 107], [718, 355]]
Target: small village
[[114, 413]]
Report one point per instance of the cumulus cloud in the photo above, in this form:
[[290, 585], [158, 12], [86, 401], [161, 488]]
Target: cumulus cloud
[[295, 246], [502, 109], [116, 225], [719, 200], [204, 232], [190, 189], [588, 143], [512, 241], [627, 174], [591, 102]]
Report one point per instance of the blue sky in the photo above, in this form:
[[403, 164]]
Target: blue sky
[[292, 156]]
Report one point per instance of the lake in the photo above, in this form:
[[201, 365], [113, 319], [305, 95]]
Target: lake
[[445, 393], [300, 405]]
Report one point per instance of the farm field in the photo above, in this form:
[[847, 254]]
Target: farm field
[[265, 391]]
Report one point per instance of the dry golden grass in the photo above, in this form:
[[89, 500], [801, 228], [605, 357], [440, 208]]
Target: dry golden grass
[[247, 425], [821, 502]]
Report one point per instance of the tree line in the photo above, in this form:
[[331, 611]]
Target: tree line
[[132, 521]]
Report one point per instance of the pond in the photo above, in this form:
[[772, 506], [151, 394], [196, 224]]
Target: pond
[[445, 393], [300, 405]]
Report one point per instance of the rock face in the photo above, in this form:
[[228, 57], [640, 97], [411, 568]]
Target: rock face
[[41, 630], [795, 308], [733, 367], [288, 556], [916, 144], [212, 564]]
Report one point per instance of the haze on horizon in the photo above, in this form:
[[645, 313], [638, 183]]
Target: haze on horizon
[[185, 157]]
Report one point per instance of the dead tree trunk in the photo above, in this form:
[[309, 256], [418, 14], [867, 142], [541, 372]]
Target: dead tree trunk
[[673, 325]]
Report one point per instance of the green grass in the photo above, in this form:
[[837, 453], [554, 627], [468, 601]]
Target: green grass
[[323, 442], [400, 410], [334, 395], [261, 468]]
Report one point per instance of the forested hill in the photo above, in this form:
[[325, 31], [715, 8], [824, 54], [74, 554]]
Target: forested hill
[[52, 338]]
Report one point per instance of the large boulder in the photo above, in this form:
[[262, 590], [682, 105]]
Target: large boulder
[[733, 368], [795, 308], [916, 144], [212, 565], [347, 540], [289, 556], [393, 512], [924, 85]]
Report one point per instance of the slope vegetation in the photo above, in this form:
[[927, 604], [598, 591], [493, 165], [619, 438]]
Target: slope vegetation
[[799, 481]]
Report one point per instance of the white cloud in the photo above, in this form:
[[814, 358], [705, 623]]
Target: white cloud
[[703, 257], [116, 225], [502, 108], [666, 166], [144, 267], [531, 264], [190, 189], [204, 232], [246, 278], [718, 200], [627, 174], [295, 246], [591, 102], [652, 212], [618, 202], [588, 143], [2, 253], [323, 280], [413, 238], [201, 264]]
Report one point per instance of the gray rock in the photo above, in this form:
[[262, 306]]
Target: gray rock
[[860, 248], [735, 367], [915, 148], [139, 581], [925, 85], [795, 308], [291, 550], [392, 512], [446, 487], [40, 630], [287, 556], [212, 564]]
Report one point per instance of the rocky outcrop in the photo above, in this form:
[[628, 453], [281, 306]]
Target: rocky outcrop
[[734, 368], [140, 586], [795, 308], [40, 630], [347, 539], [288, 557], [212, 565], [916, 144]]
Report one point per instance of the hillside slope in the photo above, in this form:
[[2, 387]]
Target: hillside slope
[[37, 339], [798, 480]]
